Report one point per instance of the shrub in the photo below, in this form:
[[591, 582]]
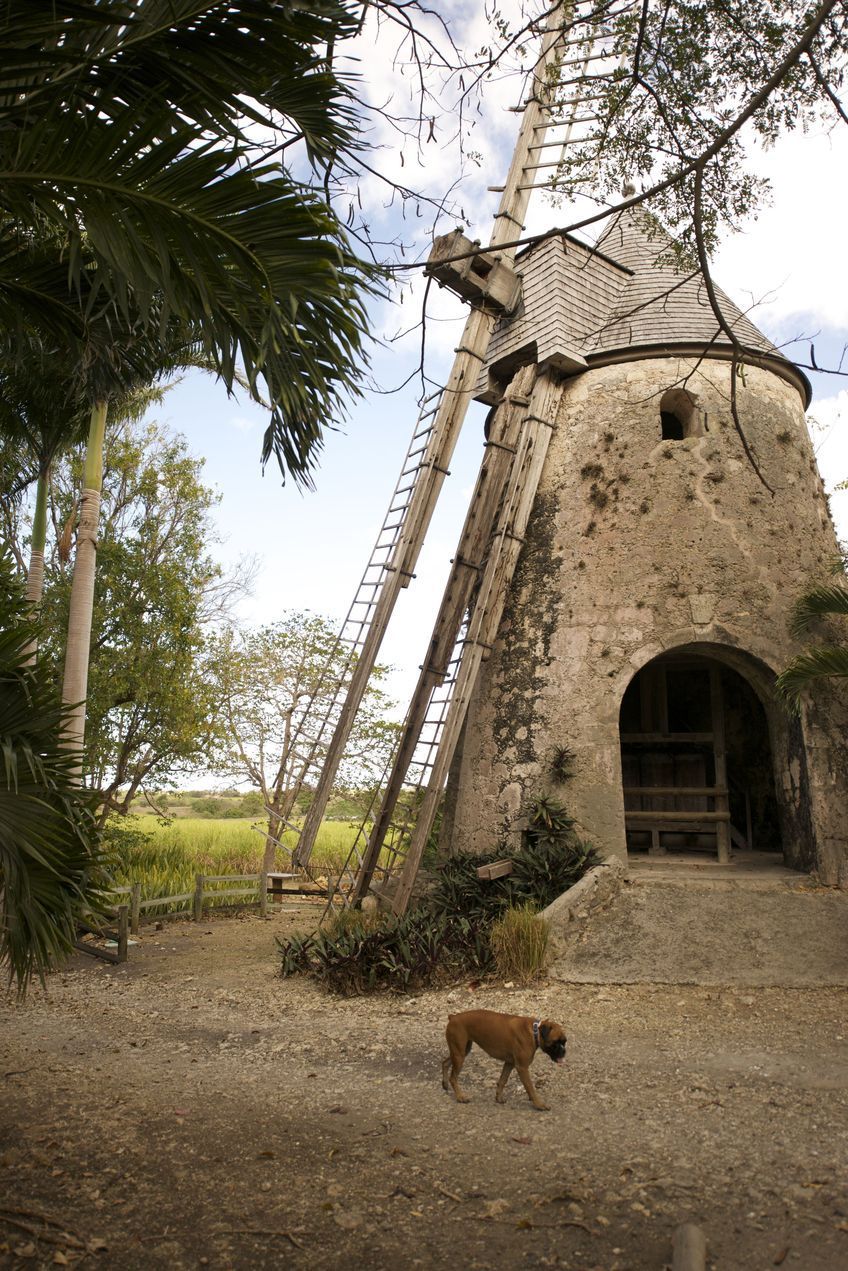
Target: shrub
[[519, 943], [364, 953], [452, 933]]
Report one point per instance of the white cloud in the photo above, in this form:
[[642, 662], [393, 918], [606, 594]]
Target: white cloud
[[241, 423], [791, 256]]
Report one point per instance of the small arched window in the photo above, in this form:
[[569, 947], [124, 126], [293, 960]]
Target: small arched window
[[680, 416]]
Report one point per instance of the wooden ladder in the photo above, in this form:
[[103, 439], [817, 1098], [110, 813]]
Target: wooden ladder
[[464, 632]]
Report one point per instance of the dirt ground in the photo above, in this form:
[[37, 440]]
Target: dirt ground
[[190, 1108]]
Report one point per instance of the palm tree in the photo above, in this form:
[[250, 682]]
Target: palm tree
[[136, 357], [829, 660], [50, 867], [127, 140], [43, 411]]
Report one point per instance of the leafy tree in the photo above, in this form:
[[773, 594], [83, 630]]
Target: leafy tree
[[43, 410], [827, 660], [149, 699], [50, 867], [269, 682]]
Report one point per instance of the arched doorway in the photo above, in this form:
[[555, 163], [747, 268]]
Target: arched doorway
[[696, 760]]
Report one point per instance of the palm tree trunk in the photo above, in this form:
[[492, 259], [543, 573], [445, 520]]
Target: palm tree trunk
[[75, 685], [35, 574]]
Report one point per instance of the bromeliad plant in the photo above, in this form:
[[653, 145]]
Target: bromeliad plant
[[388, 953], [450, 934]]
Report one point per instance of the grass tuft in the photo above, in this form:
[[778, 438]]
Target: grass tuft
[[519, 944]]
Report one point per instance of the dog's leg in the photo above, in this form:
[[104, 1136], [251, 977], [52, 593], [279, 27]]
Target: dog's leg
[[527, 1082], [456, 1059], [445, 1066], [502, 1080]]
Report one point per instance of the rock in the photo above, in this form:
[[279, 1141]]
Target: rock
[[346, 1220]]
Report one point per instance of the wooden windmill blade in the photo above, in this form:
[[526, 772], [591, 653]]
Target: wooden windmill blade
[[486, 611], [467, 569], [486, 279]]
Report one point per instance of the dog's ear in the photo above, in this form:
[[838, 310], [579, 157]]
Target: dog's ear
[[545, 1032]]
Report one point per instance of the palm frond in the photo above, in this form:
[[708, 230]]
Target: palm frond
[[826, 661], [163, 213], [221, 65], [818, 602], [51, 871]]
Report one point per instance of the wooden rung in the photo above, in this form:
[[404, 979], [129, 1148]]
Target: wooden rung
[[708, 792], [660, 814]]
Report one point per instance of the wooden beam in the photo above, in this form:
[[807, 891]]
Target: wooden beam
[[497, 869], [719, 751], [467, 567], [661, 814], [486, 615]]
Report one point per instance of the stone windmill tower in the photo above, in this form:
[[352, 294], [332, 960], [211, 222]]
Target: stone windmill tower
[[621, 589], [649, 610]]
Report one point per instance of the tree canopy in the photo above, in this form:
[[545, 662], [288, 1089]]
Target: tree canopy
[[273, 685], [149, 703], [146, 178]]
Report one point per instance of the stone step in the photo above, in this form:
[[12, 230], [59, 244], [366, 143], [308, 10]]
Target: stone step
[[669, 928]]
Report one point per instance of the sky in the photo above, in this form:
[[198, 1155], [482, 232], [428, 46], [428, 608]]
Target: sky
[[312, 546]]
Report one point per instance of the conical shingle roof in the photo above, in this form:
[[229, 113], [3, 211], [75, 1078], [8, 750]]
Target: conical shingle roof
[[663, 301], [628, 296]]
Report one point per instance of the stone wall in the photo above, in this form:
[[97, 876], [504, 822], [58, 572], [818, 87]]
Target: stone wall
[[638, 546]]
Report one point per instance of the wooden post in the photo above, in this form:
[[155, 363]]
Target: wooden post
[[689, 1248], [720, 753], [123, 924], [135, 907], [263, 894], [198, 898]]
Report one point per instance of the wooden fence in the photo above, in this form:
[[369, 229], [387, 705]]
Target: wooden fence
[[245, 889], [127, 917]]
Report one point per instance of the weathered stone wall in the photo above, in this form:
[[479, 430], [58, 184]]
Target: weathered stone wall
[[638, 546]]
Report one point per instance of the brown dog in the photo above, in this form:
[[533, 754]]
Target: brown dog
[[514, 1039]]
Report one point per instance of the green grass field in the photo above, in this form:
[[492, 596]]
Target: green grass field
[[166, 858]]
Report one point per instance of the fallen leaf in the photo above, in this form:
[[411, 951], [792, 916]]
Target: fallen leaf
[[494, 1207], [270, 1155], [340, 1110], [519, 1138], [60, 1259], [780, 1257]]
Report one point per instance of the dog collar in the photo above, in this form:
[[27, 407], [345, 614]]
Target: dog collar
[[536, 1023]]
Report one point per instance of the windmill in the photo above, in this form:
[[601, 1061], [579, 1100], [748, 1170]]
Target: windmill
[[571, 321]]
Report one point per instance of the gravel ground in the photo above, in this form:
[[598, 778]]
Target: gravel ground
[[190, 1108]]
